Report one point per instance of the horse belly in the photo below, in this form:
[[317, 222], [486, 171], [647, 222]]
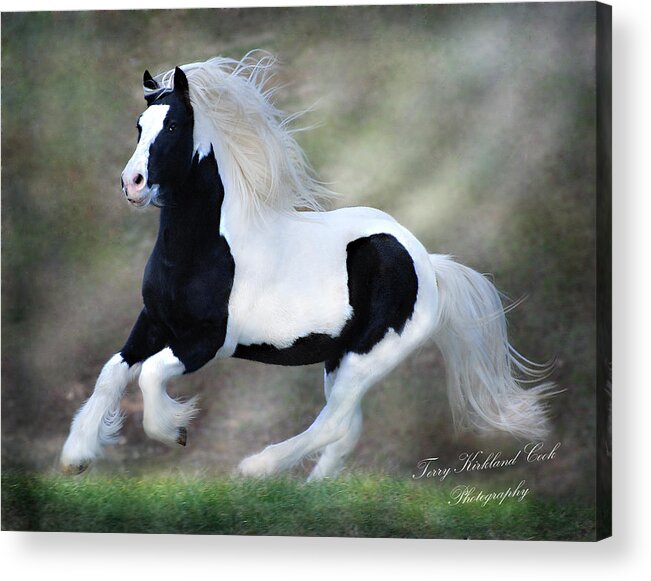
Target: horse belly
[[313, 348]]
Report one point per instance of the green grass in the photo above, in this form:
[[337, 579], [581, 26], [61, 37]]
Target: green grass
[[356, 506]]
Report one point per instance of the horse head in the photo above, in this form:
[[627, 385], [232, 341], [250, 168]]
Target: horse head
[[163, 156]]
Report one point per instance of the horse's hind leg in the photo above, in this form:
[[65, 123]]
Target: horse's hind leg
[[337, 421], [332, 424], [333, 456]]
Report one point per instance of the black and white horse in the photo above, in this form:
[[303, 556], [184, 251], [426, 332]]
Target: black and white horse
[[238, 271]]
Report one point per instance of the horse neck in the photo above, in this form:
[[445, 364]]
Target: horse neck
[[192, 220]]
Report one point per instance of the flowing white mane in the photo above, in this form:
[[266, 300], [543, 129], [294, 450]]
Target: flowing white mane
[[259, 159]]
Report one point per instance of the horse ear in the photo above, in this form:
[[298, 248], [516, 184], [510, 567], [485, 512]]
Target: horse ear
[[181, 87], [148, 82], [151, 87]]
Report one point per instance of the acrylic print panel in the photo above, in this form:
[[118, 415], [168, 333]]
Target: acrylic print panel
[[482, 129]]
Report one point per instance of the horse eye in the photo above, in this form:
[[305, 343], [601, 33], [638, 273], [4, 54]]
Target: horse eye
[[171, 127]]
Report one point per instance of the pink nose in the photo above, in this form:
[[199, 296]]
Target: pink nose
[[132, 184]]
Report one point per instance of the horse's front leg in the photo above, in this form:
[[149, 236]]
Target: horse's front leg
[[98, 421], [166, 419]]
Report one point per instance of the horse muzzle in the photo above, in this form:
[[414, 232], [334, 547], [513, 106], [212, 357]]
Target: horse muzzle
[[136, 190], [134, 186]]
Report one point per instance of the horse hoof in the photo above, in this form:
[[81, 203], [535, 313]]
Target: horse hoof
[[182, 438], [75, 469], [256, 466]]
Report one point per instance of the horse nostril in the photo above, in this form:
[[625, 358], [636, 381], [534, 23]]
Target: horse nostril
[[138, 179]]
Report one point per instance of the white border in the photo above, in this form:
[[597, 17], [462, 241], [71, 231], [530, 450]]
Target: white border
[[64, 556]]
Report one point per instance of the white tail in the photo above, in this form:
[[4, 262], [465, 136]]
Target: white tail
[[484, 373]]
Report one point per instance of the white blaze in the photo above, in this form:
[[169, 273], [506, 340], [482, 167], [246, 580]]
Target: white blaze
[[151, 123]]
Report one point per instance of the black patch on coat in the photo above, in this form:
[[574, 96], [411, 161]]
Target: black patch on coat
[[189, 275], [313, 348], [382, 290]]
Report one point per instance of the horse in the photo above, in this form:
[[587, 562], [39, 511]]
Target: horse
[[248, 263]]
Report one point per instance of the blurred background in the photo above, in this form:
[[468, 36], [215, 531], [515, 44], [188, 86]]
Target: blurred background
[[473, 125]]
